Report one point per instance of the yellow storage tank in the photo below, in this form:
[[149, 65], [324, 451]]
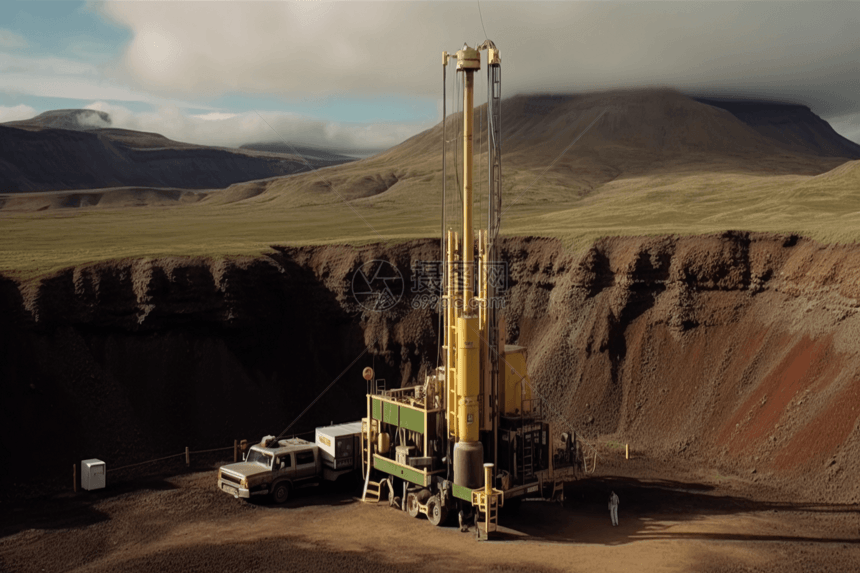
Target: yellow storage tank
[[382, 443], [517, 386]]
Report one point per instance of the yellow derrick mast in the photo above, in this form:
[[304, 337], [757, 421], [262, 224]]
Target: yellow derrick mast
[[466, 330], [435, 446]]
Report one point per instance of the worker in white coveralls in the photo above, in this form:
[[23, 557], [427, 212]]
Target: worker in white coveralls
[[613, 508]]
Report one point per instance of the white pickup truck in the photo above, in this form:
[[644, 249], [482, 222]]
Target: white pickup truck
[[276, 467]]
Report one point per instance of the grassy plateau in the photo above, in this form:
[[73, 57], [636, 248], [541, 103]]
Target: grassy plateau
[[630, 175]]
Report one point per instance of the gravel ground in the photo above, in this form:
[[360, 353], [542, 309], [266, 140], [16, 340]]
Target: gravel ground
[[182, 523]]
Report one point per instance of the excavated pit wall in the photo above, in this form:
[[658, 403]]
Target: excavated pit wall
[[734, 352]]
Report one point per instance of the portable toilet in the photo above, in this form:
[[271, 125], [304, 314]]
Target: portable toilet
[[93, 474]]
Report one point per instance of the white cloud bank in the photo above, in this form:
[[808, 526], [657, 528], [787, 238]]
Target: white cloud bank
[[51, 76], [185, 54], [232, 130], [806, 52]]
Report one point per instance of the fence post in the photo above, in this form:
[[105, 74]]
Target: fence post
[[75, 478], [235, 451], [187, 457]]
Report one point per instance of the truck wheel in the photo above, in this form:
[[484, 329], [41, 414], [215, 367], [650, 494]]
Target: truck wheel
[[412, 505], [281, 493], [436, 512]]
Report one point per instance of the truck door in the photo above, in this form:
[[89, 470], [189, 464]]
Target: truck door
[[285, 466], [306, 466]]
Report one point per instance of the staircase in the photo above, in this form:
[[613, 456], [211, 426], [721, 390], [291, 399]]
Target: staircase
[[530, 440], [528, 458], [372, 490]]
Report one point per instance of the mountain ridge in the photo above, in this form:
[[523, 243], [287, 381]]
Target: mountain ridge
[[617, 133], [66, 150]]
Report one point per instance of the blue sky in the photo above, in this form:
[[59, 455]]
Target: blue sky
[[364, 76], [52, 28]]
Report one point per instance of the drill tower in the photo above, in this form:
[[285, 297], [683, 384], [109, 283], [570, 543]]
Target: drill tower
[[470, 437]]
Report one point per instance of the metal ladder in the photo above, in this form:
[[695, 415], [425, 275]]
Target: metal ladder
[[372, 490], [528, 457], [534, 407]]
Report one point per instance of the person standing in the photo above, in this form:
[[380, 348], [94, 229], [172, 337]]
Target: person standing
[[613, 508]]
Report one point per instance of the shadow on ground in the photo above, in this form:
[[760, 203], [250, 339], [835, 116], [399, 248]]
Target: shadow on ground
[[651, 509], [69, 510]]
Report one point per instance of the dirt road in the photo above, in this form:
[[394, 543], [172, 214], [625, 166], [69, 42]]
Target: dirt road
[[183, 523]]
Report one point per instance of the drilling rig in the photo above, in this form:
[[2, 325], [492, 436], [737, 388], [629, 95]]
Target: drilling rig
[[471, 438]]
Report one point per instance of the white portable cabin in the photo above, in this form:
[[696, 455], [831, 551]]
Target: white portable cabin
[[339, 444], [93, 474]]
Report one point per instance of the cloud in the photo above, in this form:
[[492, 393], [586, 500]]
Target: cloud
[[11, 40], [94, 119], [214, 116], [184, 54], [803, 51], [63, 77], [16, 112], [232, 130], [16, 64]]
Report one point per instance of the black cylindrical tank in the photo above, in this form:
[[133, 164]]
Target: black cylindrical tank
[[469, 464]]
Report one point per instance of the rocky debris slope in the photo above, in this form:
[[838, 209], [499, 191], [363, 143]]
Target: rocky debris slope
[[736, 352]]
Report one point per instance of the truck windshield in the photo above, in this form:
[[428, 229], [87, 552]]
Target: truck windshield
[[260, 458]]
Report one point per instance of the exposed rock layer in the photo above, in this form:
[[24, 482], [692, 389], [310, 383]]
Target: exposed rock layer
[[736, 351]]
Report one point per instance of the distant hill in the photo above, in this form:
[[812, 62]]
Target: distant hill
[[640, 132], [568, 146], [795, 126], [637, 125], [559, 149], [72, 150]]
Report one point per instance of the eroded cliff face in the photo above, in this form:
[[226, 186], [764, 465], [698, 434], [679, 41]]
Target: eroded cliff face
[[734, 352]]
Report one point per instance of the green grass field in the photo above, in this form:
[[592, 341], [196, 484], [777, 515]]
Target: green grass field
[[292, 211], [657, 163]]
